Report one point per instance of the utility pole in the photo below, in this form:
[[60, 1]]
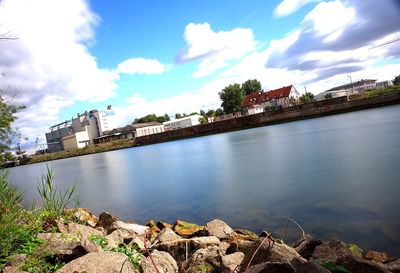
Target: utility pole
[[351, 82]]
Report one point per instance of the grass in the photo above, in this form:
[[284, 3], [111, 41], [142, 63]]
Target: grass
[[91, 149], [381, 91], [19, 227]]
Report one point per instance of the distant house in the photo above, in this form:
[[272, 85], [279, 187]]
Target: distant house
[[131, 131], [284, 97], [182, 122], [349, 89]]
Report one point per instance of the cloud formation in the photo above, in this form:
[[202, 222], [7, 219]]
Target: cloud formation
[[287, 7], [49, 62], [215, 49], [141, 66]]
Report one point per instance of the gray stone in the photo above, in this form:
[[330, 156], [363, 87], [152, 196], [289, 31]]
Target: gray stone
[[90, 247], [272, 267], [168, 235], [224, 246], [101, 262], [218, 229], [306, 246], [163, 260], [60, 244], [231, 263], [359, 265], [83, 232], [331, 251], [393, 266]]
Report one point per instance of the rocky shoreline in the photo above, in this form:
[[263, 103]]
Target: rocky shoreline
[[86, 243]]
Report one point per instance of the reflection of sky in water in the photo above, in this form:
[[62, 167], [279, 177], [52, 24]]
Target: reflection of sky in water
[[336, 176]]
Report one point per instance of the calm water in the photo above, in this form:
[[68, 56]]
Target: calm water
[[337, 176]]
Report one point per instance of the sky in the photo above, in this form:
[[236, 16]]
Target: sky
[[68, 56]]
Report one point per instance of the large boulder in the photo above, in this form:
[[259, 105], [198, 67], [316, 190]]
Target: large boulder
[[163, 260], [83, 232], [232, 263], [245, 234], [306, 246], [359, 265], [84, 216], [101, 262], [182, 249], [205, 260], [168, 235], [106, 221], [272, 267], [64, 246], [219, 229], [393, 266], [331, 251], [379, 257], [186, 229]]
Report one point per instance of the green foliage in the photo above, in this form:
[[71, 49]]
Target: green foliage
[[396, 80], [91, 149], [130, 251], [381, 91], [355, 250], [99, 240], [334, 268], [219, 112], [54, 201], [251, 86], [40, 265], [232, 97], [152, 118], [307, 97], [18, 228], [7, 117]]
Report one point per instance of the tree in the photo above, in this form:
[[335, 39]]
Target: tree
[[328, 96], [7, 117], [219, 112], [232, 97], [210, 113], [178, 116], [396, 80], [202, 112], [307, 97], [251, 86]]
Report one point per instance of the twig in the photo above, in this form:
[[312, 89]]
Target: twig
[[255, 252], [297, 224], [148, 253]]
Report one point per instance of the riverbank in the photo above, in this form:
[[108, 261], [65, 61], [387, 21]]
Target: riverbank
[[81, 242], [298, 112]]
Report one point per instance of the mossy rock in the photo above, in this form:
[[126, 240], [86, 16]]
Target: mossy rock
[[183, 228], [355, 250], [161, 225], [202, 268], [245, 234]]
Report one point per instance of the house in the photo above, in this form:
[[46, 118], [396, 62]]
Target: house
[[255, 109], [283, 97], [348, 89], [182, 122], [131, 131]]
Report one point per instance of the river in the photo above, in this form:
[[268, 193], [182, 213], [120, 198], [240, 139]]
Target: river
[[337, 176]]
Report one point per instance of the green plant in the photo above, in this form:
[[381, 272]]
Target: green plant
[[332, 267], [133, 255], [54, 201], [99, 240], [355, 250], [40, 265]]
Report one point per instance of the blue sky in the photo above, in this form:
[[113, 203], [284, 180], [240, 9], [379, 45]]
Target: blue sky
[[175, 56]]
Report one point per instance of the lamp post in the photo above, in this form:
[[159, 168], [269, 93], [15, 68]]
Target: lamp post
[[352, 91]]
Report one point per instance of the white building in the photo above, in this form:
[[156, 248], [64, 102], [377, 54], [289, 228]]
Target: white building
[[182, 122], [255, 109], [148, 129], [348, 89]]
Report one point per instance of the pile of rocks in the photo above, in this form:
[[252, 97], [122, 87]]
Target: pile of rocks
[[190, 248]]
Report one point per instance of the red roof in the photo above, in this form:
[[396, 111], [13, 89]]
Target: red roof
[[279, 93], [250, 99]]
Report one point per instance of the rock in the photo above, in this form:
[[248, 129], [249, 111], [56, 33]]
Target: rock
[[308, 267], [359, 265], [59, 224], [12, 269], [161, 225], [16, 260], [272, 267], [245, 234], [101, 262], [164, 261], [82, 231], [379, 257], [85, 216], [306, 246], [115, 238], [138, 229], [63, 245], [218, 229], [186, 229], [137, 243], [223, 246], [201, 268], [153, 227], [90, 247], [267, 252], [207, 259], [232, 262], [331, 251], [168, 235], [106, 220], [393, 266], [179, 248]]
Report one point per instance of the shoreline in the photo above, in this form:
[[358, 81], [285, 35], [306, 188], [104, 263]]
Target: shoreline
[[300, 112]]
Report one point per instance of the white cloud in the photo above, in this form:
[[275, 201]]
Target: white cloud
[[287, 7], [141, 66], [215, 49], [49, 62]]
